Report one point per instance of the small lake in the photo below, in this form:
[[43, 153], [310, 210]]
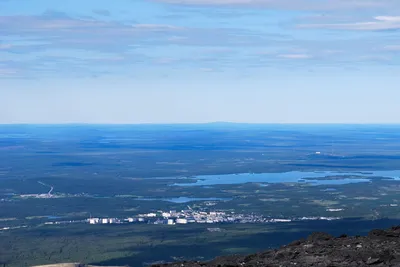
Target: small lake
[[183, 199], [292, 177]]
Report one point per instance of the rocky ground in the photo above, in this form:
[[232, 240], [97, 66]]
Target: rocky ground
[[72, 265], [379, 248]]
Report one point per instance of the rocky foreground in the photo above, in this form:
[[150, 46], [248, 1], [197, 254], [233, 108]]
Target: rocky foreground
[[379, 248], [72, 265]]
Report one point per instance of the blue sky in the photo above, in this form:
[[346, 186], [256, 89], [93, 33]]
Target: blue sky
[[170, 61]]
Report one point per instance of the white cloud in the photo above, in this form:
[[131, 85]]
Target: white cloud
[[379, 23], [388, 18], [295, 56]]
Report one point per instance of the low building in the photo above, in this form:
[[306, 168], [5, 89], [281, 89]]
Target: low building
[[94, 220], [166, 214], [181, 221]]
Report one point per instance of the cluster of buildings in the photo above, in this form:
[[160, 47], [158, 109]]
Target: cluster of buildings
[[12, 228], [36, 196], [191, 216], [50, 195], [334, 210]]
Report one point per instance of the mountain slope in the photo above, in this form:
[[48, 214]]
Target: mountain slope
[[379, 248]]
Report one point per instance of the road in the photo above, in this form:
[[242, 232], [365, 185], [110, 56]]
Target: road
[[51, 188]]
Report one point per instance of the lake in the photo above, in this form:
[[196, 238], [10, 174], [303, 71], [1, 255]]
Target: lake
[[292, 177]]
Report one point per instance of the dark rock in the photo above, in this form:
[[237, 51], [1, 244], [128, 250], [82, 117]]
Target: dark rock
[[319, 237], [372, 261], [296, 243]]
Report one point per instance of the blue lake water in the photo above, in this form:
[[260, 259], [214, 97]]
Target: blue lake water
[[291, 177], [182, 199]]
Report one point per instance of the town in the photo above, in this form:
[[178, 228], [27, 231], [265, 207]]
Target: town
[[191, 216]]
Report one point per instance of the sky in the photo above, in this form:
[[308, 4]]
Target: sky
[[196, 61]]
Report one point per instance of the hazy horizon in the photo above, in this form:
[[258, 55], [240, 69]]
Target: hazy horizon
[[197, 123]]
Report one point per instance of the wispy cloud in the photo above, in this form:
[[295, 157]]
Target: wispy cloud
[[115, 42], [378, 23], [62, 24], [375, 58], [102, 12], [392, 47], [295, 56], [62, 31], [7, 71], [5, 46], [296, 4], [100, 41]]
